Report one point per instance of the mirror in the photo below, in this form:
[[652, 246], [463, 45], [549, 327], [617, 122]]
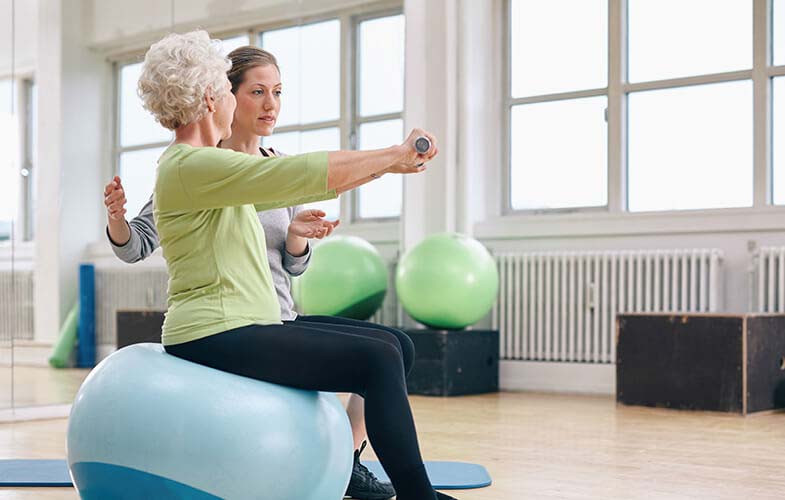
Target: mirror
[[11, 303]]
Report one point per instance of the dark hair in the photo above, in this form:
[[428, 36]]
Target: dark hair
[[247, 57]]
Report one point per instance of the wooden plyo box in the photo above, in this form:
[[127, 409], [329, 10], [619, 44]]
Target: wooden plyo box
[[454, 362], [134, 327], [715, 362]]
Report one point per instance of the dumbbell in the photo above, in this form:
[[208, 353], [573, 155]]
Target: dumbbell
[[422, 145]]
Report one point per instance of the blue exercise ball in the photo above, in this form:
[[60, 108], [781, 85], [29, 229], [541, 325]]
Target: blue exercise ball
[[146, 424]]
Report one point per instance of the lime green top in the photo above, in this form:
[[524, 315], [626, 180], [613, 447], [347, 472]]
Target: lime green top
[[206, 200]]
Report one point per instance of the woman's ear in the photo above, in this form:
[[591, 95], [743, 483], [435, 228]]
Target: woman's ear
[[209, 100]]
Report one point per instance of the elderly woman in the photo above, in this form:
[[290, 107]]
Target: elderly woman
[[223, 311], [256, 84]]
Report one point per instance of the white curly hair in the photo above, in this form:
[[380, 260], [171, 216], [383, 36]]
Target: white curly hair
[[177, 72]]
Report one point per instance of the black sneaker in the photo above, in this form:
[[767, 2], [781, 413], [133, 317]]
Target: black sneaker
[[364, 485]]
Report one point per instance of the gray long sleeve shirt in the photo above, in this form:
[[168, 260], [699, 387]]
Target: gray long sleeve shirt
[[144, 241]]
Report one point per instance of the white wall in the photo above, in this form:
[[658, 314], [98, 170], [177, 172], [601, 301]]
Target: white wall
[[74, 117]]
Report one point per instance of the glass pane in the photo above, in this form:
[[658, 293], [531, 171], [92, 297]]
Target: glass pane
[[292, 143], [674, 38], [690, 147], [778, 140], [137, 126], [310, 60], [778, 31], [381, 65], [32, 127], [555, 141], [9, 160], [558, 46], [137, 173], [381, 197], [229, 44]]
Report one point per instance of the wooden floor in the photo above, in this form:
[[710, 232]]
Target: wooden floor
[[36, 385], [549, 446]]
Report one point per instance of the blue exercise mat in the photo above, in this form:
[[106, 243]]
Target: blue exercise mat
[[446, 475], [443, 475], [34, 473]]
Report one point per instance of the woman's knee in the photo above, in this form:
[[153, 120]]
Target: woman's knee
[[407, 349], [384, 356]]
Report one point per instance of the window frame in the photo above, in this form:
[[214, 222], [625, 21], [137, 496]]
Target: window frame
[[617, 93]]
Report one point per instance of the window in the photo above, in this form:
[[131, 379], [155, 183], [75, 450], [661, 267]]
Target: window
[[141, 140], [778, 31], [778, 103], [673, 96], [381, 198], [17, 140], [9, 162], [553, 52], [379, 123], [691, 147], [557, 101], [317, 113], [542, 162], [778, 139], [231, 43], [310, 60], [28, 159], [673, 38], [311, 116]]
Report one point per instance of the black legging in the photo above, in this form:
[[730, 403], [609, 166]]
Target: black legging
[[337, 323], [333, 358]]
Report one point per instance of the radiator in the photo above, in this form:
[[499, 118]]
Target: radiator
[[126, 289], [561, 306], [16, 305], [768, 280]]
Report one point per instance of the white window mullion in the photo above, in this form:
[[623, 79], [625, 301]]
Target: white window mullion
[[617, 112], [348, 104], [762, 172]]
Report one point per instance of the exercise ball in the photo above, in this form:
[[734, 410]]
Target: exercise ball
[[346, 277], [146, 424], [447, 281]]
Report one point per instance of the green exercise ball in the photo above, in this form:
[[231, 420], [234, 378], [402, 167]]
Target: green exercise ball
[[447, 281], [346, 277]]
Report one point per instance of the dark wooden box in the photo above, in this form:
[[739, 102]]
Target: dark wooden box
[[134, 327], [715, 362], [454, 362]]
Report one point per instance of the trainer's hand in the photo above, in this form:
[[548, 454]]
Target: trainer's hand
[[311, 224], [412, 162], [114, 199]]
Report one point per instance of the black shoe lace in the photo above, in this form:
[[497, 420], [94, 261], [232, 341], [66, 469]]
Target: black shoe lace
[[366, 472], [361, 467]]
